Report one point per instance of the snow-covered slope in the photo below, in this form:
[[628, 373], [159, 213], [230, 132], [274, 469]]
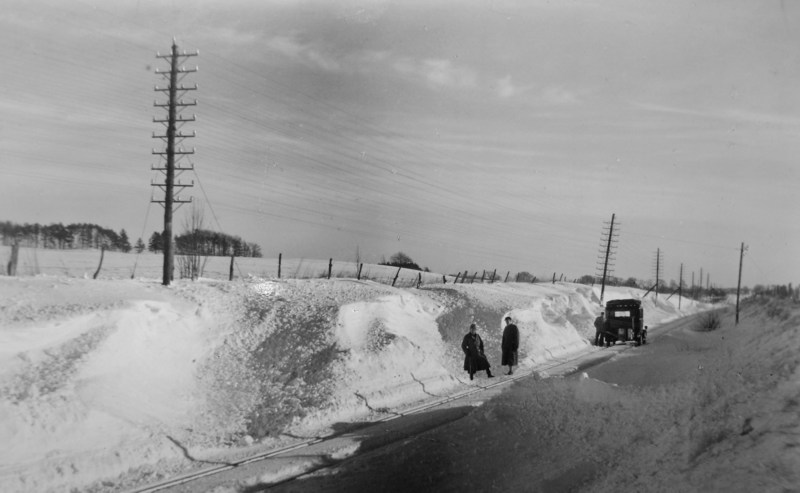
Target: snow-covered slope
[[106, 383]]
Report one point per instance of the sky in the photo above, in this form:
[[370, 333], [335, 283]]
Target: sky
[[470, 135]]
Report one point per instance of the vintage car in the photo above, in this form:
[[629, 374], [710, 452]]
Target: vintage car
[[624, 322]]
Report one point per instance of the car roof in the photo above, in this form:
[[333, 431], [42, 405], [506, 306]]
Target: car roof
[[623, 303]]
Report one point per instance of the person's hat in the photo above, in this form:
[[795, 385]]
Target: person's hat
[[508, 318]]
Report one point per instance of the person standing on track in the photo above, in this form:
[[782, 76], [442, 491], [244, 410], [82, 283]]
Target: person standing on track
[[510, 346], [474, 359]]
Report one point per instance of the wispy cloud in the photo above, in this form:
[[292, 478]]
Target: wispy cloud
[[738, 114], [505, 88], [438, 72], [558, 95], [291, 47]]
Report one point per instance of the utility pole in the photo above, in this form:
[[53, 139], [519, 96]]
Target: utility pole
[[608, 244], [680, 287], [739, 284], [658, 269], [700, 283], [171, 155]]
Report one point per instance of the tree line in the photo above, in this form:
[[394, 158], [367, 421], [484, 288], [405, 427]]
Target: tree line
[[87, 236], [206, 243], [58, 236]]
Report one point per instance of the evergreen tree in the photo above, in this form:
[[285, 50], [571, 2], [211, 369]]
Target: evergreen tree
[[124, 244], [139, 246], [156, 243]]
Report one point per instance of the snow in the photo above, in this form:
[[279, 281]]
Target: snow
[[110, 384]]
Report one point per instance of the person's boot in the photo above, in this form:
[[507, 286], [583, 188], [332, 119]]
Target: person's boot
[[489, 374]]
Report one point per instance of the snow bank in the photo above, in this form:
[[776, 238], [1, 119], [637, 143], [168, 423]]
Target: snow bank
[[103, 383]]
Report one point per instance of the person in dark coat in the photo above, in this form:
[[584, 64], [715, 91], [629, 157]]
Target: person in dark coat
[[510, 345], [599, 327], [474, 359]]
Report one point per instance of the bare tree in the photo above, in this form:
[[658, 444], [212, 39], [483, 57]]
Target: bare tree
[[193, 259]]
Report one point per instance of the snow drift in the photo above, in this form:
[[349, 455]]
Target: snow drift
[[109, 384]]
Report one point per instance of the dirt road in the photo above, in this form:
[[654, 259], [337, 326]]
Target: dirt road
[[534, 434], [693, 410], [501, 446]]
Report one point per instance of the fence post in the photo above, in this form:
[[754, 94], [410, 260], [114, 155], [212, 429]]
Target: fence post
[[473, 277], [280, 255], [507, 274], [516, 279], [102, 254], [457, 276], [483, 275], [395, 276], [12, 264], [533, 280], [494, 273], [330, 267], [464, 279], [419, 279], [358, 276], [554, 277], [230, 271], [444, 279]]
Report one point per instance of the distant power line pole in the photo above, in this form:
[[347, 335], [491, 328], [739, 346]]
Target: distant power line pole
[[700, 283], [659, 261], [680, 287], [172, 153], [608, 244], [739, 284]]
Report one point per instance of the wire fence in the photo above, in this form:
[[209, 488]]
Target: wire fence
[[147, 265]]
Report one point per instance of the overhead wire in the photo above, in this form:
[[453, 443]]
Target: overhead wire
[[327, 142]]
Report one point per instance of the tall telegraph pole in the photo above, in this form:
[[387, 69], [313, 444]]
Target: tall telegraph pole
[[608, 243], [172, 153]]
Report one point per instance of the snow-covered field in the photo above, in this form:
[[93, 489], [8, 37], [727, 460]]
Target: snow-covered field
[[112, 383]]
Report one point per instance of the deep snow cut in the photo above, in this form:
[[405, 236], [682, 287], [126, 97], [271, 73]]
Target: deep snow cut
[[110, 384]]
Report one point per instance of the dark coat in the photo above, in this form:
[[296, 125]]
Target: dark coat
[[599, 324], [474, 359], [510, 345]]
